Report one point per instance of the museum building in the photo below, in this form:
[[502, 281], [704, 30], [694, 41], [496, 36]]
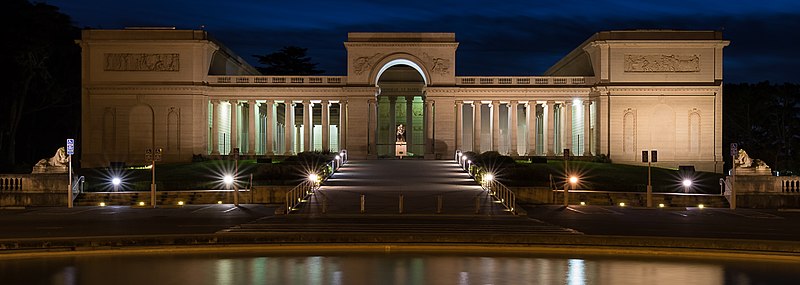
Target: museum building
[[616, 94]]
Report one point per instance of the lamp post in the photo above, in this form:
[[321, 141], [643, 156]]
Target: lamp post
[[566, 175], [152, 157], [649, 157]]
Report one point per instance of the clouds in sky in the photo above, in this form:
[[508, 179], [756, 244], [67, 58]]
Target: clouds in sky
[[496, 37]]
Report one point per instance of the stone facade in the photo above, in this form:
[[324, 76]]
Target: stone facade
[[616, 94]]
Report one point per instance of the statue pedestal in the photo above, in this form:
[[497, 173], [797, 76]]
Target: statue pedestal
[[400, 149]]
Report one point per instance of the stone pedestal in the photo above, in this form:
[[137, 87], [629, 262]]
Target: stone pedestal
[[400, 149]]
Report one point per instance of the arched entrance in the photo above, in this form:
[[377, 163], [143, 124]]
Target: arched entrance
[[400, 101]]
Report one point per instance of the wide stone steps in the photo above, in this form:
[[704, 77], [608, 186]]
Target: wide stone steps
[[400, 225]]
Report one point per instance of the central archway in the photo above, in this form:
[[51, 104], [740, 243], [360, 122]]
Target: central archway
[[400, 101]]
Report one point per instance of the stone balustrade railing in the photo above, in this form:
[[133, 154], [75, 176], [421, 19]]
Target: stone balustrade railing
[[790, 184], [12, 182], [278, 80], [524, 80]]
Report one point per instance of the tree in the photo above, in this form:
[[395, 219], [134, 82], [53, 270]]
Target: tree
[[41, 101], [290, 60]]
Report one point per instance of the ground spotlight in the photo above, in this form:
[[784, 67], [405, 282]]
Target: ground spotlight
[[701, 206], [219, 202], [622, 204], [141, 203], [180, 203], [583, 203], [102, 204], [661, 205]]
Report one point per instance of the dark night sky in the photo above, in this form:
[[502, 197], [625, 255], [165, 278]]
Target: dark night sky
[[511, 37]]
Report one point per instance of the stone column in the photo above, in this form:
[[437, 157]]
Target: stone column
[[326, 126], [270, 133], [288, 127], [251, 127], [409, 121], [429, 137], [551, 119], [342, 125], [512, 112], [459, 125], [495, 126], [530, 136], [234, 124], [308, 116], [373, 128], [587, 127], [215, 116], [568, 127], [392, 119], [476, 126]]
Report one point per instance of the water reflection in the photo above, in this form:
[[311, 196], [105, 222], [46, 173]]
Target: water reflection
[[384, 269]]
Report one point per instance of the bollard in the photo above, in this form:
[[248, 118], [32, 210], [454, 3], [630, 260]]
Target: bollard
[[362, 204], [439, 204], [477, 205], [401, 203]]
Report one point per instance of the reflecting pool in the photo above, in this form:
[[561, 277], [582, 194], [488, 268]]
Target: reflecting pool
[[386, 268]]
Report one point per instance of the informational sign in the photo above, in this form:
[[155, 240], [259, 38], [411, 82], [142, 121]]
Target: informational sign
[[70, 146], [157, 156], [734, 149], [148, 155]]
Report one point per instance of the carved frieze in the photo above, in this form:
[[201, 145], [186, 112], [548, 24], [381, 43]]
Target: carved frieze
[[438, 65], [142, 62], [364, 63], [662, 63]]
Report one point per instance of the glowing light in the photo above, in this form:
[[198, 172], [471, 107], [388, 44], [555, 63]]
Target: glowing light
[[102, 204], [573, 180], [488, 177], [701, 206], [116, 181], [622, 204], [180, 203], [583, 203], [313, 177], [227, 179], [661, 205], [141, 203], [687, 183], [219, 202]]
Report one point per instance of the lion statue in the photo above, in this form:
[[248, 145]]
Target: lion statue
[[743, 160], [56, 164]]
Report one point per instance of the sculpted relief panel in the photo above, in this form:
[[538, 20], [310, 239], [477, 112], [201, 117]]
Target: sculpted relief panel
[[142, 62], [364, 63], [662, 63], [437, 64]]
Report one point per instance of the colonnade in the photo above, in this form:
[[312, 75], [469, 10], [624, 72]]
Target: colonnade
[[269, 120], [555, 123]]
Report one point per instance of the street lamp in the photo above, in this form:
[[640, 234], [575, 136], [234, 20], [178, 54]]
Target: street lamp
[[687, 183], [228, 180], [116, 181]]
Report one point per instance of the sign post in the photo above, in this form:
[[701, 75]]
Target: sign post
[[235, 174], [566, 178], [70, 152], [152, 157], [649, 157], [734, 153]]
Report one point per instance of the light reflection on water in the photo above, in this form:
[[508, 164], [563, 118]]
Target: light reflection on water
[[384, 269]]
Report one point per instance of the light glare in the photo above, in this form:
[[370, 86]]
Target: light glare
[[116, 181], [227, 179]]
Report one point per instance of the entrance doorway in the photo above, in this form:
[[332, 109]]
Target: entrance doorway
[[401, 101]]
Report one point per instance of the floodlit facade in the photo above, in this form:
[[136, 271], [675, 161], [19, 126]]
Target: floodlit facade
[[618, 93]]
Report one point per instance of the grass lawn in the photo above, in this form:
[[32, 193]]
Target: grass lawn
[[607, 177]]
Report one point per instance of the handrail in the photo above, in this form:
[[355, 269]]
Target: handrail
[[300, 193], [77, 187], [497, 190]]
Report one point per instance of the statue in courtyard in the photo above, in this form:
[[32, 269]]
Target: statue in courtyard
[[745, 164], [401, 133], [56, 164]]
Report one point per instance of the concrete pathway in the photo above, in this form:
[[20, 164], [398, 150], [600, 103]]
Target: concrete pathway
[[420, 182]]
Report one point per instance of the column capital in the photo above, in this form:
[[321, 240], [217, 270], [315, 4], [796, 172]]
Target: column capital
[[513, 102], [550, 102], [215, 101], [587, 102], [269, 101], [459, 102], [568, 103]]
